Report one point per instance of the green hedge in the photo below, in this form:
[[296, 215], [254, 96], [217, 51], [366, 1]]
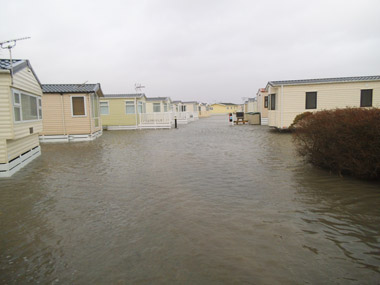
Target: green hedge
[[345, 141]]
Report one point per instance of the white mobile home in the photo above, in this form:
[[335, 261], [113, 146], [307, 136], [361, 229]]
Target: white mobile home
[[287, 99], [262, 105], [191, 107], [20, 115]]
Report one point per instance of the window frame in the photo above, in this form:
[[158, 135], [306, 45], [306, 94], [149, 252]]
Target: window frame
[[141, 104], [266, 99], [155, 105], [270, 102], [361, 98], [108, 107], [315, 101], [85, 106], [19, 106], [131, 103], [39, 108]]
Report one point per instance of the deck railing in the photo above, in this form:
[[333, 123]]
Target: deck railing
[[156, 118]]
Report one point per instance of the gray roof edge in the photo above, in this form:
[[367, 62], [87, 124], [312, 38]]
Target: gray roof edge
[[125, 95], [158, 99], [324, 80], [99, 89], [95, 88]]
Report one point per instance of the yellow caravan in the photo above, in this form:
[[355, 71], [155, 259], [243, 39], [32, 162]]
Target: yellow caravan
[[223, 108], [122, 111], [21, 115], [71, 112], [289, 98]]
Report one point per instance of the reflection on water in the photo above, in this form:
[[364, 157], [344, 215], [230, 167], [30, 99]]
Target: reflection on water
[[207, 203]]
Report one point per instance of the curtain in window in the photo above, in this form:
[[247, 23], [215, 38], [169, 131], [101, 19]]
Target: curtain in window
[[78, 106]]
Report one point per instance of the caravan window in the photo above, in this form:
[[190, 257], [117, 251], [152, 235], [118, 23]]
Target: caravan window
[[272, 103], [266, 102], [104, 108], [366, 98], [129, 107], [78, 106], [26, 107], [311, 100], [157, 107]]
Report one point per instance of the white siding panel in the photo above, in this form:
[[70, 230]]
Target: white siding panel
[[17, 147], [24, 79], [23, 129], [3, 151], [5, 107]]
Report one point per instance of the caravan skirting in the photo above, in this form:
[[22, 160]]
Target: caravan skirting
[[139, 127], [70, 138], [10, 168]]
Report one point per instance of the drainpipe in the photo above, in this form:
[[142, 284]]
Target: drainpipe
[[136, 111], [63, 115], [281, 108], [90, 111]]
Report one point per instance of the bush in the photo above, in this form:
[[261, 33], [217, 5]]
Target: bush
[[346, 141], [298, 118]]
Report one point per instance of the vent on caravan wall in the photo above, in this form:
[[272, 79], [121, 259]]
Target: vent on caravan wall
[[31, 130]]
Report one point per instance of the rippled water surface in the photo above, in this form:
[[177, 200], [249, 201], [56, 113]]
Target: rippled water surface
[[208, 203]]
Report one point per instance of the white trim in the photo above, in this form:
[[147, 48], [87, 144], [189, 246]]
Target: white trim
[[120, 128], [85, 106], [139, 127], [70, 138], [108, 107], [10, 168]]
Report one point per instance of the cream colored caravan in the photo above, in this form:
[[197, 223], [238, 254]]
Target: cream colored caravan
[[287, 99], [262, 105], [71, 112], [20, 115]]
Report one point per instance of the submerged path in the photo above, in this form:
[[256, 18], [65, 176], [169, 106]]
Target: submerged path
[[208, 203]]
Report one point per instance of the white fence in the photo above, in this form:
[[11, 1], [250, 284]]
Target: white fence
[[157, 119], [166, 119]]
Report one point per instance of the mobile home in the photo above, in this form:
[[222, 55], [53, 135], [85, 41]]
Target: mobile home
[[224, 108], [71, 112], [122, 111], [21, 115], [191, 108], [288, 98], [204, 110], [180, 112], [262, 105], [250, 105]]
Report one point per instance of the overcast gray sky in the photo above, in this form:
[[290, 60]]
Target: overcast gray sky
[[209, 50]]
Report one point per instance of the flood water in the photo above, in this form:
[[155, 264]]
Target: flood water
[[208, 203]]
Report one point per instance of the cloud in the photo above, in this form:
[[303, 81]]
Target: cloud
[[212, 50]]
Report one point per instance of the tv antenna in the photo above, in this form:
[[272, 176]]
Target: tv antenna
[[138, 87], [83, 84], [9, 45]]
